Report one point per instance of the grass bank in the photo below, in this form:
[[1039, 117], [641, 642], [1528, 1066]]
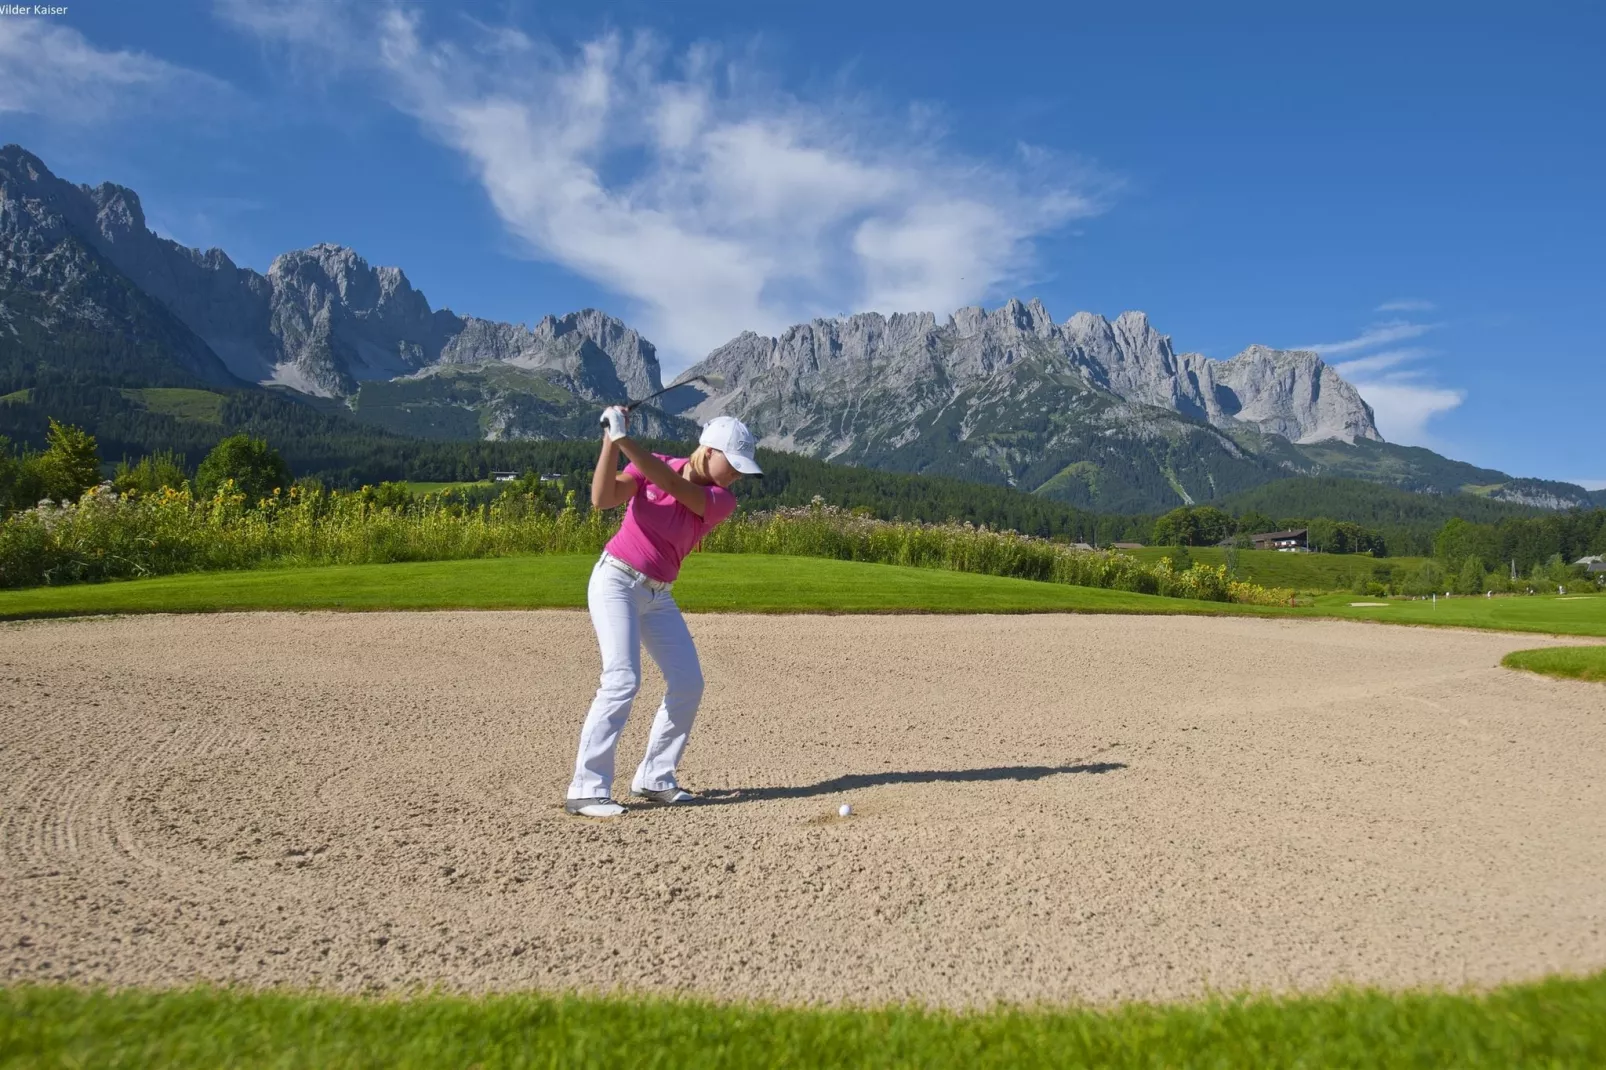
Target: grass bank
[[1553, 1023], [1568, 663], [752, 583], [1298, 572]]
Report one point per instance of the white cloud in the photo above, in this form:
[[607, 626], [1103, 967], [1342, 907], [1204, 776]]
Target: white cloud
[[1406, 304], [51, 70], [1376, 362], [712, 203], [1403, 406], [1375, 335], [1404, 399]]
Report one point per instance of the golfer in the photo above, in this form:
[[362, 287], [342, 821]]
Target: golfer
[[674, 502]]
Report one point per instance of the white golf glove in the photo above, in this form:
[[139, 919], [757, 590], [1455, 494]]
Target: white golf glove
[[617, 421]]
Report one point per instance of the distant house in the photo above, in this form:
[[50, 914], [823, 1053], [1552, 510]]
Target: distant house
[[504, 477], [552, 477], [1597, 567], [1592, 559], [1126, 546], [1081, 546], [1292, 541]]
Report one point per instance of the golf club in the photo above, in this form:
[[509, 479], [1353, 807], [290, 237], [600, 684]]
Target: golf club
[[712, 379]]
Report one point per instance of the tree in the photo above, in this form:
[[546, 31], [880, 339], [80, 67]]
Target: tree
[[1211, 525], [1254, 523], [10, 470], [70, 464], [151, 474], [256, 468], [1203, 525], [1175, 528], [1458, 540], [1470, 581], [1428, 579]]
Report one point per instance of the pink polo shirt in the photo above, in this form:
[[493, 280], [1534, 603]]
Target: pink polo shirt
[[658, 532]]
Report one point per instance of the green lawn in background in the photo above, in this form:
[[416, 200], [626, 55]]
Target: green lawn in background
[[1559, 1022], [1300, 572], [180, 402], [708, 583], [1548, 614], [1567, 662], [754, 583], [435, 488]]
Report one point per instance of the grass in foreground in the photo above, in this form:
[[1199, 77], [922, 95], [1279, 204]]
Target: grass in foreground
[[750, 583], [1554, 1023], [1569, 663]]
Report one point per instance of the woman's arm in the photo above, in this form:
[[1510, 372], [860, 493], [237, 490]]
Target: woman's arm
[[687, 493], [609, 486]]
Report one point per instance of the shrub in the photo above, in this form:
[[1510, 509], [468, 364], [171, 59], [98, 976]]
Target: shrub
[[254, 467], [151, 474]]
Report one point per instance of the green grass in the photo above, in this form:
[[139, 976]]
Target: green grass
[[709, 583], [436, 488], [753, 583], [1546, 614], [184, 404], [17, 397], [1299, 572], [1552, 1023], [1568, 662]]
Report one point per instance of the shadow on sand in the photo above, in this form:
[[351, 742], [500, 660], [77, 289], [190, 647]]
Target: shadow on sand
[[852, 781]]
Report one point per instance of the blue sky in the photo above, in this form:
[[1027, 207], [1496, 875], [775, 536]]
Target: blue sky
[[1416, 193]]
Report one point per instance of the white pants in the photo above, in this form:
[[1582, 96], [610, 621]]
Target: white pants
[[627, 614]]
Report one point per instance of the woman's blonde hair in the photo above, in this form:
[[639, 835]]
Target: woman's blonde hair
[[697, 465]]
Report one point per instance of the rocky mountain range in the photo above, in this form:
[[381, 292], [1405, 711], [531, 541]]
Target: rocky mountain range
[[1097, 412], [322, 321]]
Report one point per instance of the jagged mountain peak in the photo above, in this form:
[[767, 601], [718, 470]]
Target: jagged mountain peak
[[119, 211], [1293, 395]]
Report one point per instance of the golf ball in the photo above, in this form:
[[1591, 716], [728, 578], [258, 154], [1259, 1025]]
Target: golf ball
[[844, 810]]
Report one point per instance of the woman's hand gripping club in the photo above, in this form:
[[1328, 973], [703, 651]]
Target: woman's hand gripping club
[[616, 421]]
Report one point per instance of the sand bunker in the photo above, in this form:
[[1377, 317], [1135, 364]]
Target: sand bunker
[[1046, 807]]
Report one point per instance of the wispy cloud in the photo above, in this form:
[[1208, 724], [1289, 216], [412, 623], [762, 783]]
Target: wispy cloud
[[1376, 362], [1376, 335], [1403, 406], [686, 182], [1404, 399], [53, 71], [1406, 304]]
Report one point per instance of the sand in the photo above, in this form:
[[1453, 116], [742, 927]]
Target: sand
[[1058, 808]]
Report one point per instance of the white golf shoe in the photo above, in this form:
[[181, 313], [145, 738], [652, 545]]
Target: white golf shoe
[[670, 796], [603, 807]]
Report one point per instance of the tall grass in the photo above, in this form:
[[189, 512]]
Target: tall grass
[[110, 536], [820, 530]]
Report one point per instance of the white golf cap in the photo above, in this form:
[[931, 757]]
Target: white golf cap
[[731, 437]]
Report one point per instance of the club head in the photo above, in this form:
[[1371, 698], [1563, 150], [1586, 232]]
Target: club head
[[710, 379]]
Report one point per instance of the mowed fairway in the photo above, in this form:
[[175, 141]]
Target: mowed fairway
[[1047, 808], [754, 583]]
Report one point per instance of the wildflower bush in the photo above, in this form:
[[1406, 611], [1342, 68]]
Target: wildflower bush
[[820, 530], [107, 535], [111, 535]]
